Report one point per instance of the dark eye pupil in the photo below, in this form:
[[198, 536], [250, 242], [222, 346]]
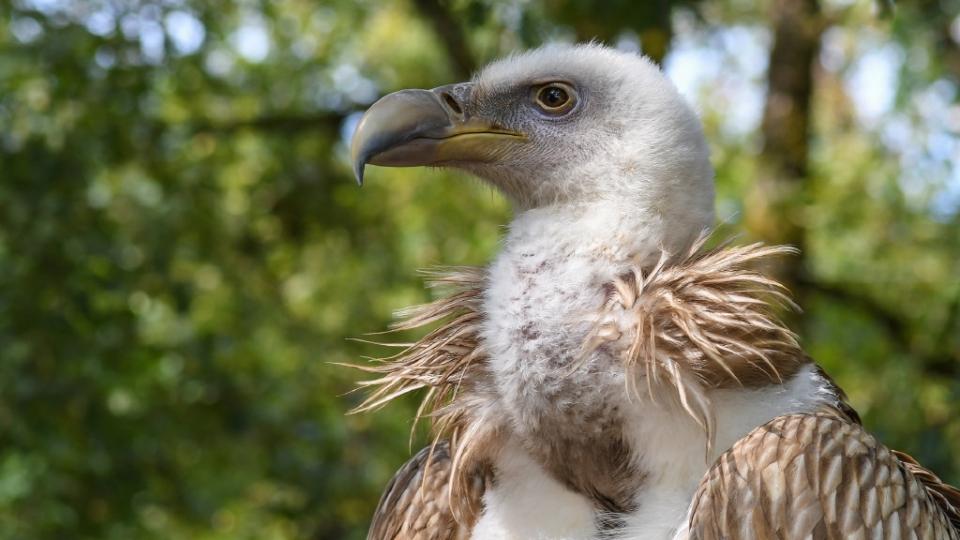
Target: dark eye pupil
[[554, 96]]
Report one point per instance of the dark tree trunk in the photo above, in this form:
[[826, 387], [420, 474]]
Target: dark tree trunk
[[774, 208]]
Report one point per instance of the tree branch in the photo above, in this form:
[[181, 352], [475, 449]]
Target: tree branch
[[950, 321], [949, 363], [893, 323], [326, 122], [940, 362], [451, 34]]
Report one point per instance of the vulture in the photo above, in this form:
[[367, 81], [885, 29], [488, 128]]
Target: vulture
[[607, 376]]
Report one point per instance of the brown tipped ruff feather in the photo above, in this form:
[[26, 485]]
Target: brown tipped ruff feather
[[701, 324], [687, 327], [442, 360]]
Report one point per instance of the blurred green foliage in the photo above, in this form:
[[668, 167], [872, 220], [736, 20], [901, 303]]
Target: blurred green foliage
[[184, 254]]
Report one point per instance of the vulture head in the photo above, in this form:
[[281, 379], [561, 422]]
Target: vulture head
[[560, 126]]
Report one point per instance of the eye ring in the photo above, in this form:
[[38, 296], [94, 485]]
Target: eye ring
[[556, 98]]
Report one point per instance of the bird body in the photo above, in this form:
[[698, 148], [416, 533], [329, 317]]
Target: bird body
[[593, 373], [541, 308]]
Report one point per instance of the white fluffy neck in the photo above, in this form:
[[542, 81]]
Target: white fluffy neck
[[616, 232]]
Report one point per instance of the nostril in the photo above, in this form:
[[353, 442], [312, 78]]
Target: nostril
[[452, 103]]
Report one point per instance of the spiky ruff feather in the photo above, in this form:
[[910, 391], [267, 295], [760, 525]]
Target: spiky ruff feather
[[682, 330]]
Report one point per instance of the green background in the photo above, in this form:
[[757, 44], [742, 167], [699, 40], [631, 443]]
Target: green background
[[184, 253]]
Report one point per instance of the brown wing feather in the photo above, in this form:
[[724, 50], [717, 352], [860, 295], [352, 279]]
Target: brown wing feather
[[947, 496], [819, 476], [416, 503]]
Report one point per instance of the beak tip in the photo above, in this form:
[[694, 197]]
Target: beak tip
[[358, 173]]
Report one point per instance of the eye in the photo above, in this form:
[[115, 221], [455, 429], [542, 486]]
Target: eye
[[555, 98]]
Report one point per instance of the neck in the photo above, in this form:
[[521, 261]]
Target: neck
[[617, 233]]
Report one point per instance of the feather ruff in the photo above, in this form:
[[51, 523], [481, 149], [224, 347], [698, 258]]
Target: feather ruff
[[703, 323], [695, 324]]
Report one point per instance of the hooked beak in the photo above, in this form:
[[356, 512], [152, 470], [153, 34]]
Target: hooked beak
[[412, 128]]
